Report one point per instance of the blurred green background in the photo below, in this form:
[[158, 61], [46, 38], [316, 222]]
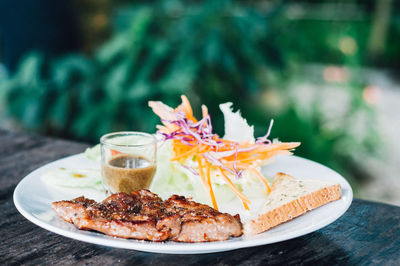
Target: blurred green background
[[303, 63]]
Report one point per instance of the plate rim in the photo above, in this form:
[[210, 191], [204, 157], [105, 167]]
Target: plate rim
[[174, 247]]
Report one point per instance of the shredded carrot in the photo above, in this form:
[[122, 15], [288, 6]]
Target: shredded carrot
[[262, 179], [202, 171], [213, 200], [186, 154], [207, 182], [185, 107], [204, 110], [114, 152], [244, 199]]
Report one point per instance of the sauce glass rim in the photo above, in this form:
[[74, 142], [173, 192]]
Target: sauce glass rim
[[103, 139]]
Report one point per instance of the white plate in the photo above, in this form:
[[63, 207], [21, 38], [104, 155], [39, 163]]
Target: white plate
[[33, 198]]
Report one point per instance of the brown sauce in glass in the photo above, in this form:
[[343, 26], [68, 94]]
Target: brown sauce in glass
[[127, 173]]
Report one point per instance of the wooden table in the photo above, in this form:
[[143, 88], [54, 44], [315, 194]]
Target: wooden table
[[368, 233]]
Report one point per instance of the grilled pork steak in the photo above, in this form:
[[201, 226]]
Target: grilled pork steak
[[143, 215]]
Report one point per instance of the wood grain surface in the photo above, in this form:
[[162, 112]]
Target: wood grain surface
[[367, 234]]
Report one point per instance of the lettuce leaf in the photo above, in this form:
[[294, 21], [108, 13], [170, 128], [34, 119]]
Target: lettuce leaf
[[236, 127]]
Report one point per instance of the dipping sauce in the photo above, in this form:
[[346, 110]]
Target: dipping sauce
[[127, 173]]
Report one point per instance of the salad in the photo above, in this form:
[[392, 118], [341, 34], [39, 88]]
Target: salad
[[224, 166]]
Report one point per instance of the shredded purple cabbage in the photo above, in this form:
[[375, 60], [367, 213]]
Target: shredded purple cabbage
[[201, 133], [264, 139]]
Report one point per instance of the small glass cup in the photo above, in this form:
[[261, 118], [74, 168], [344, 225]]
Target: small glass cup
[[128, 161]]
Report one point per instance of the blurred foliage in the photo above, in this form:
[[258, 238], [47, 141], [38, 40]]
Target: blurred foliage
[[93, 16], [212, 51]]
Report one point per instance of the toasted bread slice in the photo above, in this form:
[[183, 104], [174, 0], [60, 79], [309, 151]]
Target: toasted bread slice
[[291, 197]]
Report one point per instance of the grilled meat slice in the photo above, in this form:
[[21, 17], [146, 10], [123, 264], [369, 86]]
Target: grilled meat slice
[[200, 223], [143, 215]]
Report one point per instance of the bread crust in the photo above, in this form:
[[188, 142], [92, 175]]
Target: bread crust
[[292, 209]]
